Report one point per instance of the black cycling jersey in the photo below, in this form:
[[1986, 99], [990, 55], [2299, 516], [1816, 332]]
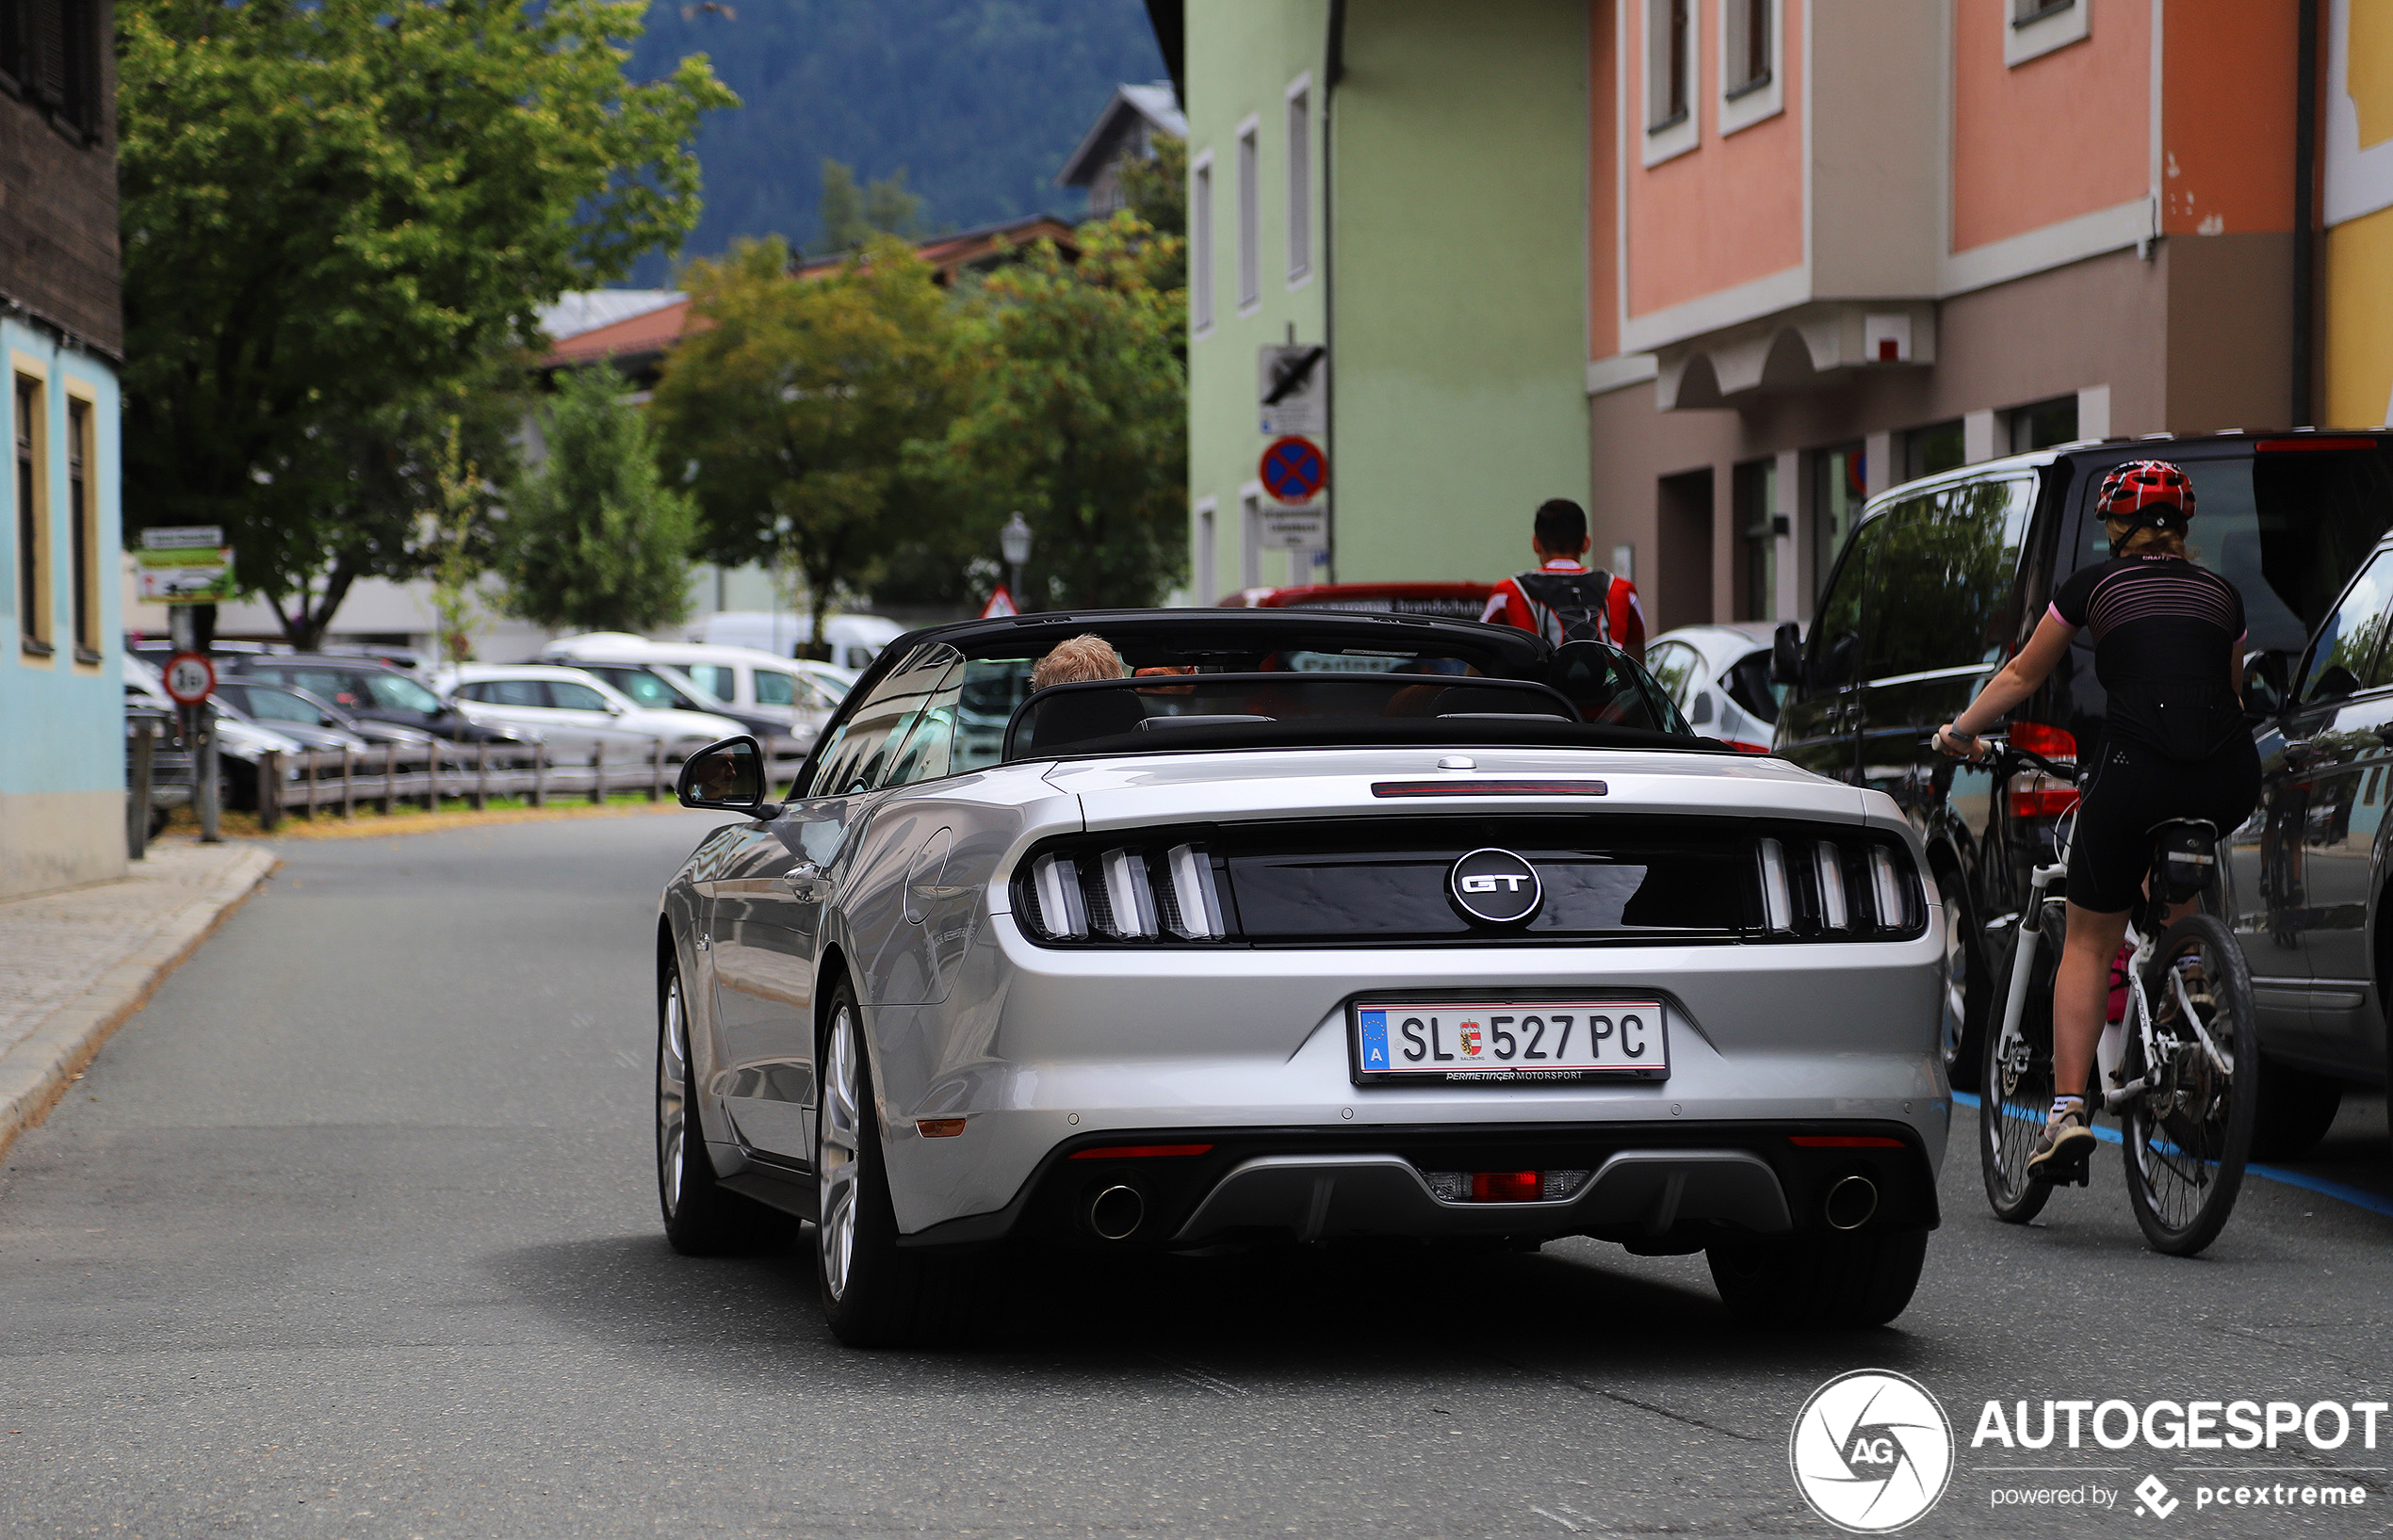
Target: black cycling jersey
[[2165, 633]]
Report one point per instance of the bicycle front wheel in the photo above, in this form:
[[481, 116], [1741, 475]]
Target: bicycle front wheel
[[2015, 1088], [2187, 1132]]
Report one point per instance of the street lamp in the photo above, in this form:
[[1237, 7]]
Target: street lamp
[[1015, 541]]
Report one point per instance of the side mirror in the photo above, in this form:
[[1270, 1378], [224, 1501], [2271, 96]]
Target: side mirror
[[1786, 654], [2268, 684], [727, 777]]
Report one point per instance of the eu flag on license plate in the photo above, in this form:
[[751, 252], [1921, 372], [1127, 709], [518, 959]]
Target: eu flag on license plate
[[1375, 1039]]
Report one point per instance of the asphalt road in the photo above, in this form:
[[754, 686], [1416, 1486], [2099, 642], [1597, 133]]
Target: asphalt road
[[352, 1232]]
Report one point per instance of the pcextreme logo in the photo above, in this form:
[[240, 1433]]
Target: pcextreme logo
[[1871, 1452]]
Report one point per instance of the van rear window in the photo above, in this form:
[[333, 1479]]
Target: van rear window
[[2288, 530]]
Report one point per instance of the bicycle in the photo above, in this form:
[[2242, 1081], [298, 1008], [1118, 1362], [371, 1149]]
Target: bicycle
[[2182, 1075]]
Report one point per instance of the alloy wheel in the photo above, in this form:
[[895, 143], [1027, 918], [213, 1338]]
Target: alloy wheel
[[673, 1108], [840, 1144]]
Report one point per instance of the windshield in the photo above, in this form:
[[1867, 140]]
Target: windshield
[[644, 687], [397, 694]]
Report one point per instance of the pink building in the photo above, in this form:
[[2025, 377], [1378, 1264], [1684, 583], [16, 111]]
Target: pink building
[[1835, 244]]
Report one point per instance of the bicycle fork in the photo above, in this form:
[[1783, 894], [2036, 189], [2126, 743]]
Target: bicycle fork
[[2022, 961]]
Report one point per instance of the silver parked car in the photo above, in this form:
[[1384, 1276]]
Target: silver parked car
[[1318, 926]]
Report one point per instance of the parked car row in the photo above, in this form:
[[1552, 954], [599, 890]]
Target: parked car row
[[1943, 578]]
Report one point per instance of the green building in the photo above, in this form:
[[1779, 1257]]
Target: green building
[[1406, 183]]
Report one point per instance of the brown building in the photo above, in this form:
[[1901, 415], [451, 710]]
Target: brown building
[[62, 815]]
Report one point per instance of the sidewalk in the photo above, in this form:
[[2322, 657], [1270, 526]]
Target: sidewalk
[[75, 965]]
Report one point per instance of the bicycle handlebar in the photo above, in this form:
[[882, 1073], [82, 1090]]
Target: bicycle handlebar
[[2001, 751]]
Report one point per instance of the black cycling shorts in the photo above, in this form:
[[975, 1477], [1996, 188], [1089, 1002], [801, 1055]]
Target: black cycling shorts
[[2135, 786]]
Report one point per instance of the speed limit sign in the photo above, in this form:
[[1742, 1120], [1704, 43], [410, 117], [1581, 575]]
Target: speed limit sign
[[190, 678]]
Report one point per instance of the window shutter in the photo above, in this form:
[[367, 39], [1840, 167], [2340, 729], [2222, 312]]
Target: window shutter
[[46, 70]]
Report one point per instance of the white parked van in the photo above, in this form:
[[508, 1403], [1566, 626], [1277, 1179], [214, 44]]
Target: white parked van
[[855, 639], [745, 678]]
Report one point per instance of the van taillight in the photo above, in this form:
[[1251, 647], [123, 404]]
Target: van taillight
[[2036, 737]]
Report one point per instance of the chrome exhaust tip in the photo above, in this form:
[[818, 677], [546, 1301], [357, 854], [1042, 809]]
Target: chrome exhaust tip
[[1115, 1213], [1850, 1203]]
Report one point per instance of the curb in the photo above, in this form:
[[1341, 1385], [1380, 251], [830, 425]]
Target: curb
[[36, 1072]]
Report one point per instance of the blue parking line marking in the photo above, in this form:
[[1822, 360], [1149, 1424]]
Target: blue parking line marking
[[2356, 1197]]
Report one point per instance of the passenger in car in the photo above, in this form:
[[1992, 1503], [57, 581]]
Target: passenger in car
[[1075, 659]]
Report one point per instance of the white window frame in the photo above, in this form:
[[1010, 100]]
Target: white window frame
[[1300, 181], [1201, 281], [1744, 105], [1666, 140], [1250, 209], [2031, 30], [1205, 588]]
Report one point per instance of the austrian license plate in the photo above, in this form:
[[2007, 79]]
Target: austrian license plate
[[1515, 1041]]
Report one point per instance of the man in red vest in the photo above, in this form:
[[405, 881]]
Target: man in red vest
[[1564, 601]]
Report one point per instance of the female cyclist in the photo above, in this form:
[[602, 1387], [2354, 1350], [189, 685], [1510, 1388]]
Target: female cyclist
[[2168, 640]]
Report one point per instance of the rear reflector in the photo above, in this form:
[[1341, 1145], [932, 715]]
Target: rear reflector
[[1844, 1142], [2280, 445], [1505, 1187], [1139, 1152], [1488, 788]]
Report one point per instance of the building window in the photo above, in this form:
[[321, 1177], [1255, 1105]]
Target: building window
[[33, 554], [1840, 484], [1300, 180], [1745, 46], [1753, 501], [1207, 553], [1250, 282], [2044, 424], [83, 533], [2033, 28], [1938, 446], [1669, 40], [1200, 240], [50, 55], [1750, 88]]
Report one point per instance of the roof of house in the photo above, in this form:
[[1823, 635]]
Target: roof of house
[[587, 311], [642, 331], [1156, 105]]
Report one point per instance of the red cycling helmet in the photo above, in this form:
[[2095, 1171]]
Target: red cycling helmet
[[2146, 494]]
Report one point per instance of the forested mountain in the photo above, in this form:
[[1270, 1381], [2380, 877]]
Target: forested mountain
[[978, 101]]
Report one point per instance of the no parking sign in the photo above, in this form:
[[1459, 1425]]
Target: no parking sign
[[1294, 469]]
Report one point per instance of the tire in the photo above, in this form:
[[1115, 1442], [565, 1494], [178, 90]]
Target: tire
[[875, 1294], [1810, 1282], [2014, 1098], [2297, 1107], [1965, 987], [702, 1217], [2186, 1139]]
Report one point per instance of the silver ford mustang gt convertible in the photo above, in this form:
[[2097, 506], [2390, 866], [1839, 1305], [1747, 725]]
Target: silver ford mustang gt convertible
[[1310, 927]]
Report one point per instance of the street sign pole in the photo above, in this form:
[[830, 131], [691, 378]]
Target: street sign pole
[[184, 628]]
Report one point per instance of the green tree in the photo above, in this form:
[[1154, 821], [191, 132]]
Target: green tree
[[1156, 191], [1079, 418], [592, 541], [853, 216], [792, 403], [336, 212]]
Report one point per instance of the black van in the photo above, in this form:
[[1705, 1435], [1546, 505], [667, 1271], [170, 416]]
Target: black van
[[1944, 578]]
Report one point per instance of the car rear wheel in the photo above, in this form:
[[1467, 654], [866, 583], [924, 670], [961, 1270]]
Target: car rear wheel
[[702, 1217], [1963, 1010], [875, 1294], [1820, 1280]]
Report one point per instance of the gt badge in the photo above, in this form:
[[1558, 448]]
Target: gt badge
[[1496, 886]]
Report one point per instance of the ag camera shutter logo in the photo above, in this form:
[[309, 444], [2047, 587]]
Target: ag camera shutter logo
[[1496, 886], [1871, 1452]]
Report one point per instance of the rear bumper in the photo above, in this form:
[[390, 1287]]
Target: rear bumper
[[1673, 1187]]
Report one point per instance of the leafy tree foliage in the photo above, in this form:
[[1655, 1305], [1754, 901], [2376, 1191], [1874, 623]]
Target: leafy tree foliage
[[592, 541], [853, 215], [335, 213], [794, 400], [1079, 418]]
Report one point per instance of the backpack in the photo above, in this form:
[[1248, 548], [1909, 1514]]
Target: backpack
[[1581, 602]]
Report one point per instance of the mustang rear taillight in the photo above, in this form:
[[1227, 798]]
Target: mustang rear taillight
[[1126, 893], [1504, 1186], [1837, 889]]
